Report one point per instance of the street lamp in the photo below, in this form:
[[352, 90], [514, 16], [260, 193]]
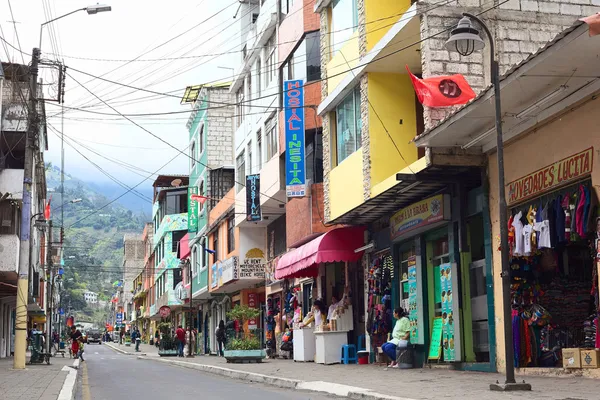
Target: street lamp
[[95, 9], [465, 40]]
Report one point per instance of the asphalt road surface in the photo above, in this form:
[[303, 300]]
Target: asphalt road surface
[[108, 375]]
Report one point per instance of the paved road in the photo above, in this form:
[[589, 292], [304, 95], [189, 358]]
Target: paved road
[[108, 375]]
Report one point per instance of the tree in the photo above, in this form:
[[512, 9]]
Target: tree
[[249, 340]]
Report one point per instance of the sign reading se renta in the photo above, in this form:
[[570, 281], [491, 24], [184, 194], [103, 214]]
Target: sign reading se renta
[[550, 177], [418, 215]]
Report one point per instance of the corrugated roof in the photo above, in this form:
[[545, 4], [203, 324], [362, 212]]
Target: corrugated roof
[[508, 73]]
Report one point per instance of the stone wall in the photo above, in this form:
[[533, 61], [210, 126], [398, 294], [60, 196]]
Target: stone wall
[[520, 28], [220, 129], [325, 54]]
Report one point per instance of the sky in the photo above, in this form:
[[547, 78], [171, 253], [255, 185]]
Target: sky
[[163, 30]]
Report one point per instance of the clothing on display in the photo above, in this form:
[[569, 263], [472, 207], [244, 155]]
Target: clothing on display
[[379, 322]]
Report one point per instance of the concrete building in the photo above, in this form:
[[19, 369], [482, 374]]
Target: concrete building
[[91, 298], [14, 92], [133, 263]]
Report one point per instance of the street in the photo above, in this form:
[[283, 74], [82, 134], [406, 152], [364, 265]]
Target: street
[[106, 375]]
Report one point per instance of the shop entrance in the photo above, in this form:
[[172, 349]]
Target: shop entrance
[[438, 253]]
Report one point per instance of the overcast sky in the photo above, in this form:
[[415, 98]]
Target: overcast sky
[[131, 29]]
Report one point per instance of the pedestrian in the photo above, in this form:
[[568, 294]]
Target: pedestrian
[[138, 339], [156, 338], [221, 337], [121, 333], [80, 349], [75, 336], [180, 333]]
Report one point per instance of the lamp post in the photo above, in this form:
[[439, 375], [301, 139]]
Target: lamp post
[[95, 9], [465, 39]]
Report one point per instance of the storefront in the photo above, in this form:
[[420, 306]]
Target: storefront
[[553, 231], [435, 269]]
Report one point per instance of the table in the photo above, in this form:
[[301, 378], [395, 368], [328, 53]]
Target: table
[[329, 346]]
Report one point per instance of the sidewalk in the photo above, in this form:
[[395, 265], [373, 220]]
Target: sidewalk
[[378, 382], [37, 382]]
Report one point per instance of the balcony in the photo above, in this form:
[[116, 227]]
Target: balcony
[[9, 253]]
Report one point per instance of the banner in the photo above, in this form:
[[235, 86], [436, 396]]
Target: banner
[[253, 212], [442, 91], [418, 215], [295, 172], [192, 210]]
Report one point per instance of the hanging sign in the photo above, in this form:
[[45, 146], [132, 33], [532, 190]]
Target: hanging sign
[[435, 346], [419, 215], [550, 177], [192, 210], [229, 270], [119, 318], [295, 168], [253, 212], [164, 311]]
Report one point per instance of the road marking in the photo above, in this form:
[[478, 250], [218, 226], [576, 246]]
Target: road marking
[[96, 352], [85, 384]]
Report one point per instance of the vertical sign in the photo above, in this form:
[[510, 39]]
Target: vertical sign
[[252, 303], [253, 212], [192, 210], [295, 173], [412, 298], [447, 312]]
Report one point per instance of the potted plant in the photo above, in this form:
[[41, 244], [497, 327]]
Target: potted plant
[[167, 347], [246, 346]]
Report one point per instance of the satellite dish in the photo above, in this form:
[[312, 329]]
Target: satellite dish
[[176, 182]]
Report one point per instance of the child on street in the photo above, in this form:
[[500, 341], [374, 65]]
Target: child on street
[[80, 352]]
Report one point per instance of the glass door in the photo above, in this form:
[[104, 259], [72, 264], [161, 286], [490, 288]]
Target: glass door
[[440, 254]]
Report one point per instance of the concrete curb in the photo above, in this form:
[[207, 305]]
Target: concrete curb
[[331, 388], [128, 353], [67, 392]]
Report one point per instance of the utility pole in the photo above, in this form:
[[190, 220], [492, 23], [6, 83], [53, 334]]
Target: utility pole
[[191, 308], [23, 281], [50, 290]]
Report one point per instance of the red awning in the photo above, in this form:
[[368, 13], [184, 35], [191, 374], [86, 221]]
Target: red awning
[[184, 247], [336, 245]]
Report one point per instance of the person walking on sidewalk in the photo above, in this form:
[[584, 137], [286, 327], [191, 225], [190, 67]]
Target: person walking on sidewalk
[[221, 337], [180, 333], [80, 348], [138, 339]]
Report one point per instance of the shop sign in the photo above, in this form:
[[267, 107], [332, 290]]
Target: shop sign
[[550, 177], [164, 311], [253, 265], [295, 172], [119, 318], [214, 275], [418, 215], [447, 296], [228, 270], [192, 210], [253, 212], [252, 303], [413, 315]]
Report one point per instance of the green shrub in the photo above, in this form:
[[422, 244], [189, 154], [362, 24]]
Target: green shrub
[[249, 343]]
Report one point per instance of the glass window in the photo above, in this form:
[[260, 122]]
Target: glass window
[[193, 154], [195, 260], [344, 21], [201, 193], [176, 202], [240, 163], [249, 83], [270, 71], [286, 6], [314, 156], [177, 236], [249, 152], [259, 149], [271, 137], [230, 234], [216, 245], [313, 56], [348, 125], [11, 218], [258, 76], [201, 139], [239, 106]]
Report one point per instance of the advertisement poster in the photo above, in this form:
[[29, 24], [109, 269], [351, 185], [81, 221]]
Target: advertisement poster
[[253, 212], [412, 298], [295, 175], [252, 303], [192, 210], [447, 317], [214, 278]]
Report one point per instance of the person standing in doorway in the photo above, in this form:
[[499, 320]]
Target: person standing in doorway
[[180, 333], [221, 337]]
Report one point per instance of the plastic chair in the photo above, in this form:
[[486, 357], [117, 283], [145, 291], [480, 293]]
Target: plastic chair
[[349, 354], [362, 343]]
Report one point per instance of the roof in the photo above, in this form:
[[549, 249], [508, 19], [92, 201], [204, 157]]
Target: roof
[[166, 180], [15, 72], [569, 60]]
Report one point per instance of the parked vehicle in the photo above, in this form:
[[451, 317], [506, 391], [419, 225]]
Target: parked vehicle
[[94, 336]]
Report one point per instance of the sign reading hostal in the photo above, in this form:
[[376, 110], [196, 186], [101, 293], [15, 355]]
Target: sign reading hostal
[[253, 265], [552, 176], [253, 212], [419, 215], [295, 168], [192, 210]]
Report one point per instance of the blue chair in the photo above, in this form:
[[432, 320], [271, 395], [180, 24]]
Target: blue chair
[[349, 354], [362, 343]]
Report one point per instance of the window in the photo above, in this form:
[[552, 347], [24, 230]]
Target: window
[[249, 82], [239, 105], [195, 260], [270, 54], [344, 21], [177, 277], [249, 152], [240, 172], [201, 193], [271, 137], [348, 125], [313, 56], [176, 202], [10, 218], [193, 154], [259, 149], [258, 76], [314, 156], [201, 139], [216, 245], [230, 234]]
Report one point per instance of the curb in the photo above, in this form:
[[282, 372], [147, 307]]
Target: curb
[[128, 353], [67, 392], [331, 388]]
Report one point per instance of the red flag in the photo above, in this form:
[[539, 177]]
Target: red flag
[[442, 91], [200, 199], [47, 209]]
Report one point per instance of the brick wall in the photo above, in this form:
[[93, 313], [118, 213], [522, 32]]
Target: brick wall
[[520, 27], [220, 129]]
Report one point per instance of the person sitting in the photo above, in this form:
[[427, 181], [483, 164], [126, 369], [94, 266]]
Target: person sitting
[[400, 336]]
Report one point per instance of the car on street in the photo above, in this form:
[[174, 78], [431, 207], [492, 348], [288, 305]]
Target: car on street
[[94, 336]]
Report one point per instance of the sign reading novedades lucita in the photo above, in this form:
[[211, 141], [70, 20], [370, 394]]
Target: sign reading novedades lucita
[[295, 172], [550, 177], [418, 215]]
